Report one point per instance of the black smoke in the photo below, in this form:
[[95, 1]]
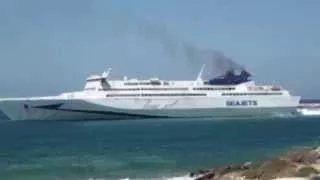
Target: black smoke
[[216, 61]]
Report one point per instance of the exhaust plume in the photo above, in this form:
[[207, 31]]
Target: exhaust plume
[[216, 61]]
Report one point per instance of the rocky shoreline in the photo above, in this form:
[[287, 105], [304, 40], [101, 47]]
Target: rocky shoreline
[[296, 164]]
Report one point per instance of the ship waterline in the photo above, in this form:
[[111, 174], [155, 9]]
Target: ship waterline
[[228, 96]]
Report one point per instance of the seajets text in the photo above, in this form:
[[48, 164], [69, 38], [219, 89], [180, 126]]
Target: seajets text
[[242, 103]]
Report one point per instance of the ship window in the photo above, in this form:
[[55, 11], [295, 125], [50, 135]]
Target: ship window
[[156, 83], [94, 80], [144, 83], [171, 94], [145, 89], [276, 89], [131, 84], [123, 89], [164, 89], [214, 89], [250, 94]]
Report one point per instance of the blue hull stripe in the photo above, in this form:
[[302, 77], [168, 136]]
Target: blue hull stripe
[[57, 108]]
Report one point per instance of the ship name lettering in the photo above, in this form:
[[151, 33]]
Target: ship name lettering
[[242, 103]]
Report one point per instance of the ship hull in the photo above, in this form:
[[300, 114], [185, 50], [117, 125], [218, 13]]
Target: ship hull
[[136, 108]]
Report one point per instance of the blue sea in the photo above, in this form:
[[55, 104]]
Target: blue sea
[[143, 149]]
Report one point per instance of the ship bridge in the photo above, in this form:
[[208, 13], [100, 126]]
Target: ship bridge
[[98, 82]]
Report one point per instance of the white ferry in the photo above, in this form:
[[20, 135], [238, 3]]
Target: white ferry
[[230, 95]]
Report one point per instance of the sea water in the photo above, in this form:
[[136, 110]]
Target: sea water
[[143, 149]]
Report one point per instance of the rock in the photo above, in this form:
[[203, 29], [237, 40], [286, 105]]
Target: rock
[[247, 165], [217, 173], [295, 163], [207, 176], [198, 173], [271, 169], [306, 172], [252, 174], [305, 155]]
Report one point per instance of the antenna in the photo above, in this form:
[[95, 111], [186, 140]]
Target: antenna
[[106, 73], [199, 78]]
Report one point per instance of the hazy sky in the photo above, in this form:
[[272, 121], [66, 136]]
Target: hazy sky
[[51, 46]]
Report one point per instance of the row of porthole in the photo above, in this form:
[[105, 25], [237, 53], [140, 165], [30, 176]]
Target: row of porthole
[[133, 95], [249, 94]]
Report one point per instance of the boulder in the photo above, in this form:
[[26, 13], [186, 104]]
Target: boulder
[[295, 163], [303, 156]]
